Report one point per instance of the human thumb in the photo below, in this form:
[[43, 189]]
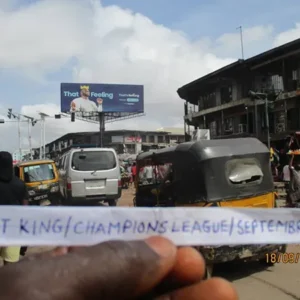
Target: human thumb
[[111, 270], [124, 270]]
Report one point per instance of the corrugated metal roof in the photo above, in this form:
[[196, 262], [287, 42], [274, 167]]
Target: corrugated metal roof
[[172, 130], [267, 55]]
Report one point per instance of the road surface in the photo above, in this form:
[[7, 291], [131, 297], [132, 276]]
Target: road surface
[[255, 282], [252, 280]]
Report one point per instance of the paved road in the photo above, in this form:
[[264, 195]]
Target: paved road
[[252, 280]]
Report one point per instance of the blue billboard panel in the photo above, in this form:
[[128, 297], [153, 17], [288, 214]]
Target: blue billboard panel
[[87, 97]]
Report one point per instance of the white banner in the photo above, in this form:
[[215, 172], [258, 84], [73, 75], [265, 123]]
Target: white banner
[[32, 226]]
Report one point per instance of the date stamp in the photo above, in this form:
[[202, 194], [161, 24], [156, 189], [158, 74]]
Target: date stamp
[[285, 258]]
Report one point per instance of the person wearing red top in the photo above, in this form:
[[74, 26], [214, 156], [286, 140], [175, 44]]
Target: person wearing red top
[[133, 171]]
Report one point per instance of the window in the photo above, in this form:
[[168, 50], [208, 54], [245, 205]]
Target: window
[[213, 128], [93, 160], [151, 138], [160, 139], [61, 162], [209, 100], [294, 75], [39, 173], [243, 171], [226, 94], [228, 125]]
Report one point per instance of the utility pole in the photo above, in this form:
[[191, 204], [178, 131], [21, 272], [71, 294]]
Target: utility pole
[[10, 115], [29, 139], [242, 41], [43, 135], [267, 121], [19, 136], [30, 122]]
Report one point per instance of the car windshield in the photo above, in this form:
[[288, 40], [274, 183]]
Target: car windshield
[[93, 160], [38, 173]]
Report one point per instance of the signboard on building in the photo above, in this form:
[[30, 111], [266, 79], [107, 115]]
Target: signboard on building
[[117, 139], [86, 97], [132, 139], [201, 134]]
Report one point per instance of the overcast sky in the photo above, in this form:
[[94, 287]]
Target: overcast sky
[[159, 44]]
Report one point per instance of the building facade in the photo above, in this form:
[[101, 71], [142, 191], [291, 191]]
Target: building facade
[[123, 141], [17, 156], [220, 101]]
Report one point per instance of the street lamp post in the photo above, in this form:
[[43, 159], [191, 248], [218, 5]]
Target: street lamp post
[[43, 135], [267, 122], [16, 116], [31, 122]]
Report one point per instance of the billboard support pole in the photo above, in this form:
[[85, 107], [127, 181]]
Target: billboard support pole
[[101, 128]]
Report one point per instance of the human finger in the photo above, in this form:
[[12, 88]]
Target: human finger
[[58, 251], [111, 270], [130, 266], [188, 269], [212, 289]]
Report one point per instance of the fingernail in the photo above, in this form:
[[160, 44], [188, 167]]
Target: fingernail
[[165, 297], [163, 247], [59, 251]]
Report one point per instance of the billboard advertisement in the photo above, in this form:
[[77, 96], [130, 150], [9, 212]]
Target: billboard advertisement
[[87, 98]]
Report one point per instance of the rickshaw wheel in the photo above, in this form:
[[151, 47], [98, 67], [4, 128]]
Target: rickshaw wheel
[[209, 271]]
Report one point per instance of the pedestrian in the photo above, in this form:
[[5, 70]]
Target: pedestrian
[[133, 172], [151, 269], [286, 174], [129, 174], [14, 192], [148, 174]]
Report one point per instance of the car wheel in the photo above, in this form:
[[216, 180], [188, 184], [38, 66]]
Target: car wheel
[[112, 202]]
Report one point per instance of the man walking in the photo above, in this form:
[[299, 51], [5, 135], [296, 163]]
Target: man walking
[[14, 192]]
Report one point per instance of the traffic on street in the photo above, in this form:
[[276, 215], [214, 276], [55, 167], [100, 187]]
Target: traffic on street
[[149, 150]]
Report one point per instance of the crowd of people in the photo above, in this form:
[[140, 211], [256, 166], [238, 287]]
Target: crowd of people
[[147, 174]]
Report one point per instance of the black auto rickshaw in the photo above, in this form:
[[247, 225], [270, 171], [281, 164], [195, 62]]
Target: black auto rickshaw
[[220, 173]]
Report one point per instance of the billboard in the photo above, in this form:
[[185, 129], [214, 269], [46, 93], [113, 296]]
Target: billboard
[[88, 98]]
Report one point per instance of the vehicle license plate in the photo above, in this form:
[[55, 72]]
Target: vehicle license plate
[[41, 197], [45, 203], [95, 183], [43, 187]]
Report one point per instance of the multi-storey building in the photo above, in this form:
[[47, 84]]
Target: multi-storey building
[[20, 155], [220, 101], [123, 141]]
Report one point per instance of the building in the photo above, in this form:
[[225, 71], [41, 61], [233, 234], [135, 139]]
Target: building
[[123, 141], [220, 101], [17, 156]]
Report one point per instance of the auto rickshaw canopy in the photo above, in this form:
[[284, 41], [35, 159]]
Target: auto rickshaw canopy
[[214, 170]]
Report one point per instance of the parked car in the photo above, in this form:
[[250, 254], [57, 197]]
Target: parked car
[[90, 175]]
